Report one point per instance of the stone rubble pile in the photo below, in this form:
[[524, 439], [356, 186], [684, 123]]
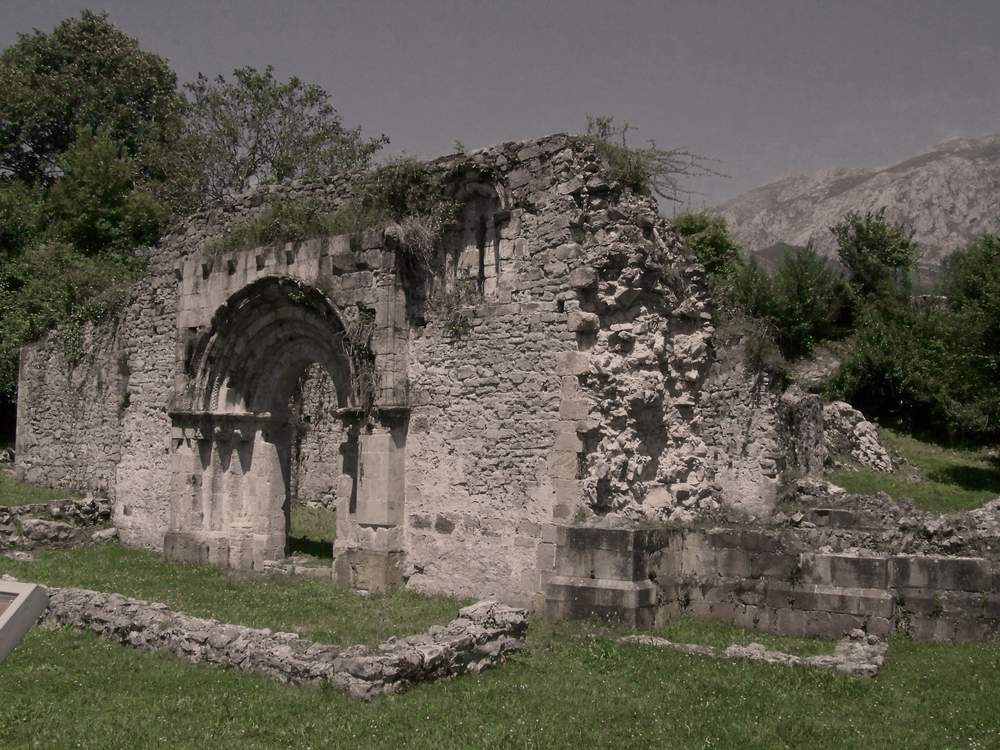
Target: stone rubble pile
[[856, 654], [483, 635], [59, 524], [833, 520], [847, 432]]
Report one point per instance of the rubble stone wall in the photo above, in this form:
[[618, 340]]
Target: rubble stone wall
[[318, 459], [69, 417], [483, 635], [61, 523]]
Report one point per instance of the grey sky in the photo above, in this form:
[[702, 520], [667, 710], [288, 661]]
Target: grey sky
[[769, 87]]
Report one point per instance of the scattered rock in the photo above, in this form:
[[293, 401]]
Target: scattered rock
[[103, 536]]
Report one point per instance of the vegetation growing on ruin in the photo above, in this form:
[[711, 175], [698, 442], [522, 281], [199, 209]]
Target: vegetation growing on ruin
[[646, 170], [453, 306], [404, 192]]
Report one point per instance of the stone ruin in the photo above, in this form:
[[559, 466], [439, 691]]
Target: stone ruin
[[512, 443]]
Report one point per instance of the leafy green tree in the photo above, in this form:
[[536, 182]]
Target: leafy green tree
[[20, 216], [255, 129], [879, 255], [971, 285], [811, 302], [85, 74], [99, 203], [932, 363]]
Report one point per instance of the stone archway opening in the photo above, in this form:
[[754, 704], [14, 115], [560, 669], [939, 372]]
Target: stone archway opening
[[320, 446], [237, 447]]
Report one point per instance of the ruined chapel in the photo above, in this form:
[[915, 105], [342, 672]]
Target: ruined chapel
[[543, 417]]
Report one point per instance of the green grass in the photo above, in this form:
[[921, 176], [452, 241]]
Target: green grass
[[314, 608], [68, 689], [721, 635], [574, 686], [312, 531], [13, 492], [946, 479]]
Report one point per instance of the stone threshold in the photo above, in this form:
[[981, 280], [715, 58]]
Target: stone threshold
[[857, 654], [483, 635]]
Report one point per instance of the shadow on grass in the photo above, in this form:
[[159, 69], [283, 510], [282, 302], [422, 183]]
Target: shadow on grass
[[305, 546], [968, 477]]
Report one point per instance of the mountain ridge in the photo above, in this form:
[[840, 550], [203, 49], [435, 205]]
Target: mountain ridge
[[948, 194]]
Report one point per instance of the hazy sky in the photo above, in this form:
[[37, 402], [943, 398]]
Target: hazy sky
[[769, 87]]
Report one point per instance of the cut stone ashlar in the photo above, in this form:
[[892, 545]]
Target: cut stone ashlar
[[21, 604]]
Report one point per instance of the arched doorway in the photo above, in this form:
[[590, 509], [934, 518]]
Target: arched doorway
[[233, 446]]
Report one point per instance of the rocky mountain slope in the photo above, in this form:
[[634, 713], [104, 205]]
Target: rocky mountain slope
[[948, 195]]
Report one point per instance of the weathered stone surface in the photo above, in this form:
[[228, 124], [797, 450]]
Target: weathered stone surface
[[483, 635], [847, 432], [859, 653], [62, 523], [766, 578]]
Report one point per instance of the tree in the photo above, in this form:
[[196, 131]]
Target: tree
[[255, 129], [99, 203], [811, 301], [971, 284], [85, 74], [20, 214], [879, 255]]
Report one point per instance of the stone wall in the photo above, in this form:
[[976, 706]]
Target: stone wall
[[69, 417], [769, 579], [61, 523], [483, 635], [317, 462], [582, 381]]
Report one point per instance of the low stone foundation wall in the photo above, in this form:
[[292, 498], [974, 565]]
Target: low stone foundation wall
[[768, 579], [483, 635], [58, 524], [857, 654]]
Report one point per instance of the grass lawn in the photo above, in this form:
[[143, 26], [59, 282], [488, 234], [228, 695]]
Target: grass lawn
[[574, 687], [947, 479], [68, 689], [13, 492], [312, 531], [314, 608]]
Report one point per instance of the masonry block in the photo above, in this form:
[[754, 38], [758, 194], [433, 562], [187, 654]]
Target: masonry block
[[848, 571], [958, 573]]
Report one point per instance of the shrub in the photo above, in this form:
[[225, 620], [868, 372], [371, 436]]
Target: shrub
[[708, 238], [648, 170]]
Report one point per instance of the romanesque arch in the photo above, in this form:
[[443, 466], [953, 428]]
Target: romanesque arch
[[232, 434]]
